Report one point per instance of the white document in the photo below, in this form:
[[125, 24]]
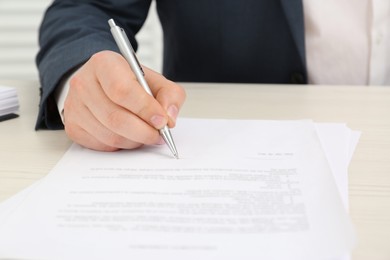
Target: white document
[[241, 190], [338, 143], [9, 103]]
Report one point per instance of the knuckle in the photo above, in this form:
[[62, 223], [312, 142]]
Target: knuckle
[[119, 91], [175, 92], [76, 81], [106, 60], [100, 56], [115, 120], [181, 93], [179, 90], [144, 104]]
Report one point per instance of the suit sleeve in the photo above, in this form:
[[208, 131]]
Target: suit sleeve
[[70, 33]]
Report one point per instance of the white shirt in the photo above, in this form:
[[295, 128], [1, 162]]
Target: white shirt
[[347, 43]]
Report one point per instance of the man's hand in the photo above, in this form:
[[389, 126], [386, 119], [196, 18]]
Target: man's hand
[[107, 109]]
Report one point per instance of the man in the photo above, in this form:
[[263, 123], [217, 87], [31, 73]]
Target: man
[[251, 41]]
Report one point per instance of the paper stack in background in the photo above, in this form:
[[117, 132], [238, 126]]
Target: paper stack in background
[[9, 103], [242, 189]]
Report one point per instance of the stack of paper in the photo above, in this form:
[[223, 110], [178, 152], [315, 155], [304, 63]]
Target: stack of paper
[[242, 189], [9, 103]]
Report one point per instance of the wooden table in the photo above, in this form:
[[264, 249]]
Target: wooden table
[[27, 155]]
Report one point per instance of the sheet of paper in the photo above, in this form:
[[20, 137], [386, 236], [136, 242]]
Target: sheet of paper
[[338, 142], [242, 189], [8, 206], [9, 103], [333, 137]]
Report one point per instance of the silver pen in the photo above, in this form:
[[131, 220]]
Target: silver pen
[[128, 53]]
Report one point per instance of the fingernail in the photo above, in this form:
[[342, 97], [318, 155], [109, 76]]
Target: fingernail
[[158, 121], [172, 112]]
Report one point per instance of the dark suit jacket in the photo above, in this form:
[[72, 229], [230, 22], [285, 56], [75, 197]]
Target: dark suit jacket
[[247, 41]]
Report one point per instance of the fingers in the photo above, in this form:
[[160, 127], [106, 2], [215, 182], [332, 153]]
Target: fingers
[[107, 109], [97, 137], [122, 87], [82, 137], [169, 94], [83, 128], [87, 102]]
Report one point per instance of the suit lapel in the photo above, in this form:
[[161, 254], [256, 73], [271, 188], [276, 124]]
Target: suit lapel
[[293, 10]]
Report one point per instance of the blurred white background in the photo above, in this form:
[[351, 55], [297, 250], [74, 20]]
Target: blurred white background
[[19, 22]]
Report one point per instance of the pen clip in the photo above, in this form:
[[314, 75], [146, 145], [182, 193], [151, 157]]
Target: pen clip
[[132, 50]]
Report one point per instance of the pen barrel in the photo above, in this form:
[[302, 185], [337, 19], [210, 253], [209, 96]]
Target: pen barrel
[[128, 53]]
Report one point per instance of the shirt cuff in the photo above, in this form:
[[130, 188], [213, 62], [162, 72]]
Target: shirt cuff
[[61, 93]]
